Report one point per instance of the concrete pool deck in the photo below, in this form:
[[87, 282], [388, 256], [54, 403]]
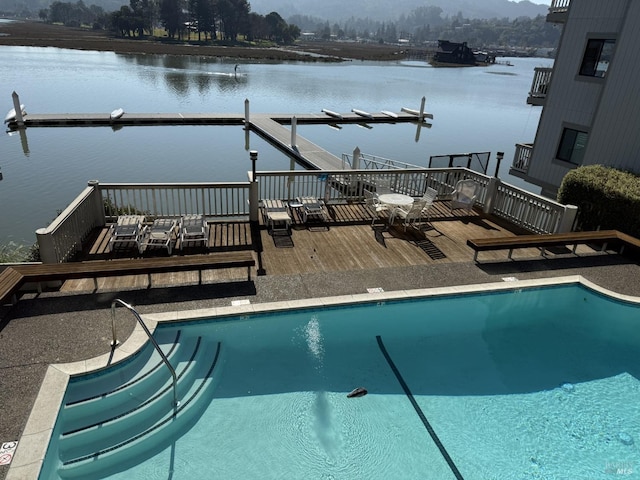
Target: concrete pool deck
[[56, 328]]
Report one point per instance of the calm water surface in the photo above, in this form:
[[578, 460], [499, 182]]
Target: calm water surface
[[475, 109]]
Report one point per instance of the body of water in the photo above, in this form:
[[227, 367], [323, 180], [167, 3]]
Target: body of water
[[475, 110]]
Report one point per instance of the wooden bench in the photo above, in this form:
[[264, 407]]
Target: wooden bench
[[15, 277], [10, 282], [603, 237]]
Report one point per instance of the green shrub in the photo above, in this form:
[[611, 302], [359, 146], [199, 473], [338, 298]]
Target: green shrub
[[15, 253], [606, 198]]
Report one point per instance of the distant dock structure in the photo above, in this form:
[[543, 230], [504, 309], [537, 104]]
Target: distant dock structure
[[272, 127]]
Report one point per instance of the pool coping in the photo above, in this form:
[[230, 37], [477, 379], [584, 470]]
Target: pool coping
[[33, 444]]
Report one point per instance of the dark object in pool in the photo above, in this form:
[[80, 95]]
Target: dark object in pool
[[357, 392]]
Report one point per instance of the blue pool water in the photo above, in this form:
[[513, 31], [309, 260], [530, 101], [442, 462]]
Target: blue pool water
[[538, 383]]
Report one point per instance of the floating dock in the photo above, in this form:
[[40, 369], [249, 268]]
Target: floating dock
[[269, 126]]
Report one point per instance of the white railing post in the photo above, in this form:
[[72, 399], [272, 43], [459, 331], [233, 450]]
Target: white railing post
[[294, 123], [98, 203], [253, 188], [46, 246], [355, 163], [490, 197], [18, 110], [568, 219]]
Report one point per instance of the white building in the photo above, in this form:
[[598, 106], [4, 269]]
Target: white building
[[590, 98]]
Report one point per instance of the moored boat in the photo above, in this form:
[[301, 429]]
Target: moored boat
[[11, 114]]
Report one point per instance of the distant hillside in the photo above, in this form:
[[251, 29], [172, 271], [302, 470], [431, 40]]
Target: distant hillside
[[384, 10], [338, 10]]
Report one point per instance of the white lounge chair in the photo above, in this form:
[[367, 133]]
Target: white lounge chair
[[277, 215], [126, 230], [161, 233], [312, 208], [193, 230], [465, 194], [410, 215]]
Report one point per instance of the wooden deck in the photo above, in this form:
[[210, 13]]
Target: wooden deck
[[346, 241]]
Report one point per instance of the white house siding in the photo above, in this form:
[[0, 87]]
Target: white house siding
[[615, 139], [573, 100]]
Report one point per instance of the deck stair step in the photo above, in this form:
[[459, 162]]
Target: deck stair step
[[127, 437]]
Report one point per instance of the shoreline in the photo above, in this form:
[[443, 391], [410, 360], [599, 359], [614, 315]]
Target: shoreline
[[38, 34]]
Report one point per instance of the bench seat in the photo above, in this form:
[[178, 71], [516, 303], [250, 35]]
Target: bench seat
[[604, 237], [14, 277]]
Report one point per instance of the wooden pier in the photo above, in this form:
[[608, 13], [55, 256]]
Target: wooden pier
[[269, 126]]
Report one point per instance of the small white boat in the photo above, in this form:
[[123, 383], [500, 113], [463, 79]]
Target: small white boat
[[11, 115], [117, 113]]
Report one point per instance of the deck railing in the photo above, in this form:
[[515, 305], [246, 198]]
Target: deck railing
[[102, 203], [540, 85], [558, 11], [176, 199], [522, 157], [64, 237]]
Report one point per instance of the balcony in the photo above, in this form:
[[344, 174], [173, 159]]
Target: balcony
[[522, 158], [539, 86], [558, 11]]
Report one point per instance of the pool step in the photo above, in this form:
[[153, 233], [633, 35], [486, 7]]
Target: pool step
[[103, 398], [120, 441]]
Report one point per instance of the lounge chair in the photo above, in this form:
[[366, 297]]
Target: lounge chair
[[126, 230], [277, 215], [374, 205], [194, 230], [312, 208], [161, 233], [409, 215], [465, 194]]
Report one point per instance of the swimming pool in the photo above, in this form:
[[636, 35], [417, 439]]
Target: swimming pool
[[537, 382]]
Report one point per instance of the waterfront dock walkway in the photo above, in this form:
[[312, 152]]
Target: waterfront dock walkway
[[269, 126]]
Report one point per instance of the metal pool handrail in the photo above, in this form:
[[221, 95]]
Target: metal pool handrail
[[114, 343]]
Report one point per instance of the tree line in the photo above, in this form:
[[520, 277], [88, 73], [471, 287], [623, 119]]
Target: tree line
[[427, 24], [210, 20]]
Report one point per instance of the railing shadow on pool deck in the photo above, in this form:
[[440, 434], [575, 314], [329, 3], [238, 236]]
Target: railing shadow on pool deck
[[101, 203]]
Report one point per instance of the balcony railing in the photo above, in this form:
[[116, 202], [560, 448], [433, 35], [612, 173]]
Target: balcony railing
[[540, 85], [102, 203], [522, 157], [558, 11]]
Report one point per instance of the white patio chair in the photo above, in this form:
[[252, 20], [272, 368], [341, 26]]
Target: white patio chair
[[464, 195], [161, 233], [411, 215], [373, 204], [429, 197], [127, 230], [194, 230]]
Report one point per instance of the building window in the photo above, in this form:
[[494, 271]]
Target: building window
[[572, 146], [597, 57]]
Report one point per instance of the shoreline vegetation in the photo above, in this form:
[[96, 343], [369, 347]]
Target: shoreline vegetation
[[39, 34]]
